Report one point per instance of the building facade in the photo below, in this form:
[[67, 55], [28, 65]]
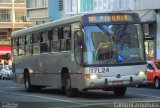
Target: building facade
[[12, 18], [37, 11], [43, 11], [56, 9], [149, 12]]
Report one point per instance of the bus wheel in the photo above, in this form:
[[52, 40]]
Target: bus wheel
[[70, 92], [157, 83], [27, 83], [120, 91]]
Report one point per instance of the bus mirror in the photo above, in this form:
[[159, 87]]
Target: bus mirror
[[8, 56], [60, 33]]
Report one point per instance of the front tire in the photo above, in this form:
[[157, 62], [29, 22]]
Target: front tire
[[27, 83], [120, 91], [70, 92]]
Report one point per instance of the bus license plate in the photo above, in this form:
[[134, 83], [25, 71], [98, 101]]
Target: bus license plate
[[99, 70], [117, 82]]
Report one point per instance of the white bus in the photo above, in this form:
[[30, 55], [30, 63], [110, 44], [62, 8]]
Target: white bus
[[92, 51]]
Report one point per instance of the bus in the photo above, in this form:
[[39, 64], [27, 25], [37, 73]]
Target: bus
[[85, 52]]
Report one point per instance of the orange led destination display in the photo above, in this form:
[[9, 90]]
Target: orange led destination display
[[108, 18], [100, 18]]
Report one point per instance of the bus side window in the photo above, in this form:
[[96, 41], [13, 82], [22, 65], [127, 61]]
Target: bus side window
[[29, 49], [21, 47], [50, 38], [66, 41], [36, 40], [44, 42], [15, 46], [55, 42]]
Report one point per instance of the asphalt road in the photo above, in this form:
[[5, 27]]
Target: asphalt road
[[14, 96]]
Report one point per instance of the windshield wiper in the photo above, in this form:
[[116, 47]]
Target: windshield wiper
[[103, 29]]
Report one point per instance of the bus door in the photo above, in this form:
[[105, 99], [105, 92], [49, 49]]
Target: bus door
[[77, 44]]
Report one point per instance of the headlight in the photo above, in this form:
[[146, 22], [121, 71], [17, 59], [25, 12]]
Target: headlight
[[93, 76], [141, 73]]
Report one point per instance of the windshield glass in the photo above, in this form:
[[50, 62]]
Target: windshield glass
[[157, 65], [113, 44]]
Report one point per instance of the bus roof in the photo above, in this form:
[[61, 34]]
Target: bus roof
[[47, 25], [59, 22]]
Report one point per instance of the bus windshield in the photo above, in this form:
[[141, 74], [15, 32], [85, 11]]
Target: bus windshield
[[113, 44]]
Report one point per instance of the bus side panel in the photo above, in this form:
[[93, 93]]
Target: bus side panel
[[18, 78], [47, 70], [44, 69], [21, 63], [77, 81], [50, 68], [18, 69]]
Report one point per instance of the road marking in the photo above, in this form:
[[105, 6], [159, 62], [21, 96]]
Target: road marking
[[11, 87], [40, 97], [144, 95], [81, 104]]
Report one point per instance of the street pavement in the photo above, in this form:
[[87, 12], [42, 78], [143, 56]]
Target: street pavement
[[14, 96]]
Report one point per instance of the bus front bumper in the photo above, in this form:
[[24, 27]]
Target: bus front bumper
[[106, 82]]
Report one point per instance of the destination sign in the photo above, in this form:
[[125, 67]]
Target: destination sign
[[101, 18]]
